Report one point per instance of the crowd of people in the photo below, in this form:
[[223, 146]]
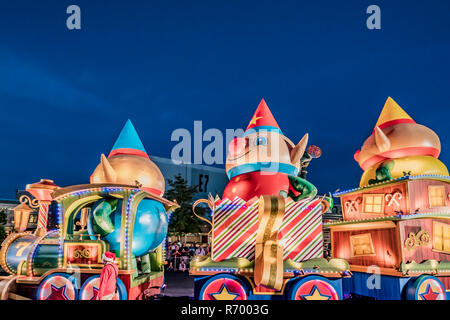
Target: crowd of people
[[179, 255]]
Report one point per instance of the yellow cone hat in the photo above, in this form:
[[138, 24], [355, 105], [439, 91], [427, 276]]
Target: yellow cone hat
[[392, 114], [397, 141]]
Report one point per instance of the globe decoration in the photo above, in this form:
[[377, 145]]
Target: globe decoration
[[150, 226]]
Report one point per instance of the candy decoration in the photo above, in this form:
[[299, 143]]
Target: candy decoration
[[42, 191], [314, 151], [392, 198], [43, 215]]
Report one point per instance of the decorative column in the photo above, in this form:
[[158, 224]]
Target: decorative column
[[42, 191]]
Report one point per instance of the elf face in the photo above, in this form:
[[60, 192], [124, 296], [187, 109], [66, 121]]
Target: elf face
[[264, 147]]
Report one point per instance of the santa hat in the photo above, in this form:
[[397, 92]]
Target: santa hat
[[128, 142], [392, 114], [262, 120], [109, 257]]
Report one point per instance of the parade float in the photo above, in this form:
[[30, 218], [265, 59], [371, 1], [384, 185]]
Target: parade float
[[122, 210], [397, 222], [266, 240]]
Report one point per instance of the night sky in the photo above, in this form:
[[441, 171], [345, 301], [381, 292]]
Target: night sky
[[65, 94]]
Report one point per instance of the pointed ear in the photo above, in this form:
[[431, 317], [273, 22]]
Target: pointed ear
[[109, 173], [381, 140], [299, 149]]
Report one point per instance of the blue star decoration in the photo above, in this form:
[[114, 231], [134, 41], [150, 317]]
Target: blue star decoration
[[429, 294], [224, 294], [58, 293], [315, 294]]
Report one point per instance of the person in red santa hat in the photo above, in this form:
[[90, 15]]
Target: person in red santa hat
[[108, 277]]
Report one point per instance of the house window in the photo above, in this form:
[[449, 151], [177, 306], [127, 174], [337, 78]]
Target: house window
[[436, 196], [32, 219], [361, 245], [373, 203], [441, 237]]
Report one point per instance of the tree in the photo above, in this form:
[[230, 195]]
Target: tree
[[183, 219], [3, 218]]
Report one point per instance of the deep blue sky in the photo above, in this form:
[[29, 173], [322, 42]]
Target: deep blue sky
[[65, 95]]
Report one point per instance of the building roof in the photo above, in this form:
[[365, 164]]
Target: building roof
[[399, 217], [9, 201], [405, 178], [194, 166]]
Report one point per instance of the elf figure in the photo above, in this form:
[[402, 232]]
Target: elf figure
[[397, 147], [265, 162]]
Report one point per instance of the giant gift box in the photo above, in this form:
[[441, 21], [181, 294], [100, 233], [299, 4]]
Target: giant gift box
[[236, 225]]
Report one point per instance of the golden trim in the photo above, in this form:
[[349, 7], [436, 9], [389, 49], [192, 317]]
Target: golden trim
[[363, 226], [413, 241], [5, 286], [399, 246], [32, 203], [37, 280], [277, 293], [123, 220], [61, 193], [384, 271], [19, 267], [101, 249], [4, 249], [72, 208]]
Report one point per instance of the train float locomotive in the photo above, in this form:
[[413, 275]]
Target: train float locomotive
[[393, 242], [122, 210]]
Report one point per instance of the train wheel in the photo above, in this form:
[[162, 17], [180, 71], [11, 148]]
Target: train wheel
[[224, 287], [89, 289], [313, 288], [425, 287], [7, 286], [58, 286]]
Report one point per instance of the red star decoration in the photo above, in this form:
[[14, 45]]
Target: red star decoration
[[58, 293], [429, 294], [94, 293]]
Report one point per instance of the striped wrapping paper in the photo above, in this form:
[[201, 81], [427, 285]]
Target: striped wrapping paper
[[236, 223]]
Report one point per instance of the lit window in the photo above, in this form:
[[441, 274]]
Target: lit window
[[361, 245], [436, 195], [373, 203], [441, 237]]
